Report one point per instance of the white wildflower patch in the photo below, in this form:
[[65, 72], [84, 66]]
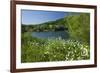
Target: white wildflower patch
[[84, 52]]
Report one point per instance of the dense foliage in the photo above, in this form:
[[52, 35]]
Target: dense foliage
[[78, 26]]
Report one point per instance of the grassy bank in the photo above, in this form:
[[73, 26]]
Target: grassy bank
[[42, 50]]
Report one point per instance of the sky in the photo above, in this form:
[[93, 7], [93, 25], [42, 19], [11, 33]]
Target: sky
[[37, 17]]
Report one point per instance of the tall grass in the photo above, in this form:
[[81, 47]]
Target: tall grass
[[42, 50]]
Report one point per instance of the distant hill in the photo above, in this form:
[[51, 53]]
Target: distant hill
[[56, 25]]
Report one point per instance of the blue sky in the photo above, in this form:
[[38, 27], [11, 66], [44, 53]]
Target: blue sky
[[37, 17]]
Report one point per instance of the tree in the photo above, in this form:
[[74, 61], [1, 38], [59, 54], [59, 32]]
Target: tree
[[79, 26]]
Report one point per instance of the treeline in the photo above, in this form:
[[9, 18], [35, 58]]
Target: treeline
[[48, 26]]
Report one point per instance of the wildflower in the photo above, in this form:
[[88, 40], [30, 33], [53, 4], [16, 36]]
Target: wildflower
[[54, 55], [66, 57], [84, 52], [46, 52]]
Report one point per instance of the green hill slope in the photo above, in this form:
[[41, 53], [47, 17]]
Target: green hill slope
[[47, 26]]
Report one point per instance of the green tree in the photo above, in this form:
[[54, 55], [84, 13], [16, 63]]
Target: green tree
[[79, 26]]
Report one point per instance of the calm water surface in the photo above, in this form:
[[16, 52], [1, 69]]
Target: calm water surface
[[51, 34]]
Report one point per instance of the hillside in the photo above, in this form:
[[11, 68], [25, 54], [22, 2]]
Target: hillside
[[47, 26]]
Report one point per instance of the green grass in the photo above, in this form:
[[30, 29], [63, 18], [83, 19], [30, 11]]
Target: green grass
[[43, 50]]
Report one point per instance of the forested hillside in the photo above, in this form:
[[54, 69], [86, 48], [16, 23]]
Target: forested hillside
[[47, 26]]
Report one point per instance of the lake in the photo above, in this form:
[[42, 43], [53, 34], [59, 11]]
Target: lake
[[51, 34]]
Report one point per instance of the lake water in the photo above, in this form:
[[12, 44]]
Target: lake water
[[51, 34]]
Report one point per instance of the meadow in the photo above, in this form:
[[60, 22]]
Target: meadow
[[39, 50]]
